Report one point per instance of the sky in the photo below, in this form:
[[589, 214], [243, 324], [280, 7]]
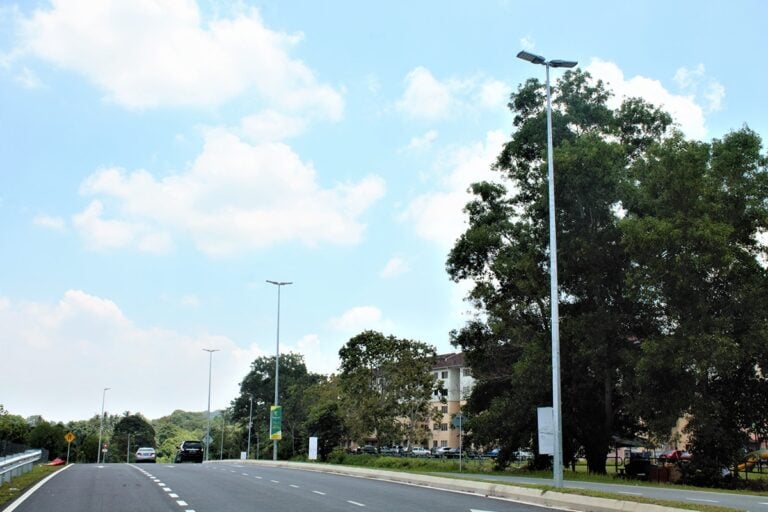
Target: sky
[[160, 160]]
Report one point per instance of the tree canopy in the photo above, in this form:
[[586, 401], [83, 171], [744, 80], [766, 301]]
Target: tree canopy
[[645, 222]]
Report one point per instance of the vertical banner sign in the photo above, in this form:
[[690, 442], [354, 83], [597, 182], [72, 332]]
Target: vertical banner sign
[[312, 448], [546, 431], [276, 422]]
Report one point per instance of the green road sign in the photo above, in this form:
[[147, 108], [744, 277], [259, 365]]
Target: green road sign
[[276, 422]]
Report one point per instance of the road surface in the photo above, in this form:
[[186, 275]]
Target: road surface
[[239, 488]]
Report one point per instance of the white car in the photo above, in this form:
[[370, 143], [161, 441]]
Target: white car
[[146, 455], [418, 451]]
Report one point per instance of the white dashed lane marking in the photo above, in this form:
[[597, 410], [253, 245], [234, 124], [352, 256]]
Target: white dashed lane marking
[[702, 500], [355, 503], [320, 493], [294, 486]]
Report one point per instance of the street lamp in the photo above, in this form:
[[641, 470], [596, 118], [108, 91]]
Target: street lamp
[[554, 299], [101, 423], [250, 424], [279, 285], [208, 430]]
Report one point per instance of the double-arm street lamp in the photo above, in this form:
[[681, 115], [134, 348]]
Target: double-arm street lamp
[[554, 298], [208, 429], [101, 424], [279, 285]]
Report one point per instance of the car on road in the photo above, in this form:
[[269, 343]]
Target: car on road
[[146, 454], [190, 451]]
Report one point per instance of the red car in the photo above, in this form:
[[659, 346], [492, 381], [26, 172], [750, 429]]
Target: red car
[[674, 456]]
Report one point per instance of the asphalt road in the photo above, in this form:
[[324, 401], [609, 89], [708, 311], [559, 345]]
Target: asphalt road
[[751, 503], [237, 488]]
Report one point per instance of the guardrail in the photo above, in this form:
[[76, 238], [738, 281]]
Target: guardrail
[[16, 465]]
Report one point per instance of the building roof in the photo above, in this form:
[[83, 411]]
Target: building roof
[[453, 360]]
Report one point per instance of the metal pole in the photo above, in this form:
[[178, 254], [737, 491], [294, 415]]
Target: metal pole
[[208, 429], [250, 424], [461, 448], [128, 451], [279, 285], [223, 425], [554, 303], [101, 424]]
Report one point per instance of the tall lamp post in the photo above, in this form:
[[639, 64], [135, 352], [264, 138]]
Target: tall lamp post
[[101, 423], [208, 429], [250, 424], [554, 298], [279, 285]]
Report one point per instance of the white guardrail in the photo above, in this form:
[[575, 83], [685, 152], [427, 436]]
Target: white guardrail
[[16, 465]]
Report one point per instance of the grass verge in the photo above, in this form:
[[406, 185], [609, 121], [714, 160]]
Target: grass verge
[[9, 491]]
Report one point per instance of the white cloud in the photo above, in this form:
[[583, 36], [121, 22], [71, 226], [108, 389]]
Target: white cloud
[[28, 79], [49, 222], [85, 343], [684, 108], [425, 97], [360, 318], [422, 142], [527, 43], [319, 356], [272, 126], [429, 99], [394, 267], [145, 53], [696, 82], [438, 215], [191, 301], [235, 197]]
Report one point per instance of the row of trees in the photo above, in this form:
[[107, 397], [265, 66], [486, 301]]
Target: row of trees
[[663, 285], [384, 389]]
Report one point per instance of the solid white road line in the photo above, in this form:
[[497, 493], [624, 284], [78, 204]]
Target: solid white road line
[[631, 493], [702, 500], [29, 493]]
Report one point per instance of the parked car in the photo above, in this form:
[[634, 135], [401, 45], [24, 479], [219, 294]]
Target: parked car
[[491, 454], [674, 456], [369, 448], [146, 454], [418, 451], [524, 455], [442, 451], [190, 451]]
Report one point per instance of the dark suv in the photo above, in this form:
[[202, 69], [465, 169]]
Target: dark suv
[[190, 451]]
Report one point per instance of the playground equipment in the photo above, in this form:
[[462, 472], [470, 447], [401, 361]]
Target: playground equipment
[[752, 459]]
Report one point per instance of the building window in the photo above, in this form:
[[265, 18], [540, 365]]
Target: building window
[[467, 372], [444, 409], [444, 375], [465, 392], [443, 443], [434, 444], [436, 426], [444, 427]]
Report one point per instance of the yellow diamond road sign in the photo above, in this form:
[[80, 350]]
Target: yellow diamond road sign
[[69, 437]]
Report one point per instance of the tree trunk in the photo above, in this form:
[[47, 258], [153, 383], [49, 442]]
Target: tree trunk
[[596, 456]]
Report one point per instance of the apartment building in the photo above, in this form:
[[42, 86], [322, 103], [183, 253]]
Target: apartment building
[[457, 383]]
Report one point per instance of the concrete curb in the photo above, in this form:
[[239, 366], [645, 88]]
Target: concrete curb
[[527, 495]]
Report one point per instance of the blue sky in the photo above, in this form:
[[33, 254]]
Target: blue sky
[[161, 159]]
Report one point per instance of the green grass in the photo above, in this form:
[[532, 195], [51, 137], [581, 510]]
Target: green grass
[[427, 466], [9, 491]]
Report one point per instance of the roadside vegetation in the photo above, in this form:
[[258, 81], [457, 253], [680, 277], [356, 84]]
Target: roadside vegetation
[[9, 491]]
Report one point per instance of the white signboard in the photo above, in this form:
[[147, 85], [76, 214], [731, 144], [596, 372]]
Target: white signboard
[[242, 455], [312, 448], [546, 431]]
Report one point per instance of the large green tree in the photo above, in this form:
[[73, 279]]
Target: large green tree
[[505, 252], [662, 278], [259, 384], [693, 219], [388, 384], [134, 429], [326, 418]]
